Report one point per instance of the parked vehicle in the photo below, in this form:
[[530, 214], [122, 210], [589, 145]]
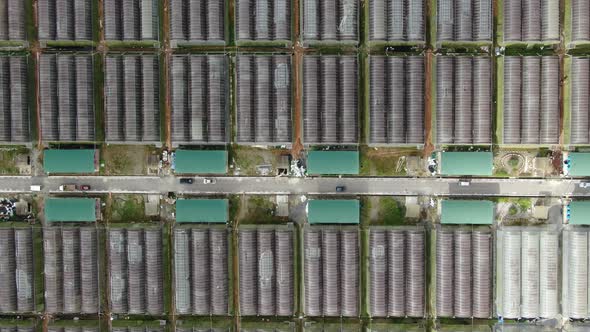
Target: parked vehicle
[[186, 180], [67, 187], [74, 187], [584, 184], [340, 189], [464, 183], [35, 188], [209, 181]]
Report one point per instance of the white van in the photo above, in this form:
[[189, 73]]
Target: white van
[[35, 188]]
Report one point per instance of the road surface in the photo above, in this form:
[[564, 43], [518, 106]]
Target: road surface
[[284, 185]]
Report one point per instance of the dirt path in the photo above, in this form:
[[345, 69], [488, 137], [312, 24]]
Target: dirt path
[[167, 55], [428, 146], [298, 51]]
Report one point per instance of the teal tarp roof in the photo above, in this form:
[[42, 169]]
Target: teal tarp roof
[[325, 211], [201, 161], [467, 163], [333, 162], [69, 161], [202, 210], [70, 209], [467, 212], [580, 213], [580, 164]]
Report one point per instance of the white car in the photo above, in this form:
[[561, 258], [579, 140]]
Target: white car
[[209, 181], [584, 184], [464, 183]]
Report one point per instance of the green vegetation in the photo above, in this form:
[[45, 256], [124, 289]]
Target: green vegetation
[[125, 159], [384, 161], [127, 208], [513, 210], [391, 212], [8, 158], [259, 210]]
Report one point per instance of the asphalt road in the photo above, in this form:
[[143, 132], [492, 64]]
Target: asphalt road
[[269, 185]]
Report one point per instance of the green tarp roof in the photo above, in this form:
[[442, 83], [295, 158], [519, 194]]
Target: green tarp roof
[[333, 162], [341, 211], [69, 161], [580, 164], [202, 210], [467, 163], [467, 212], [580, 213], [70, 209], [201, 161]]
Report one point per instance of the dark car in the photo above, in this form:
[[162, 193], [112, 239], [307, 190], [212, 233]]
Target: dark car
[[340, 189], [186, 180], [84, 187]]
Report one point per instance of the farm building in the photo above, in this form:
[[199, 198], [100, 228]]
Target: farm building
[[70, 161], [331, 271], [16, 277], [201, 277], [266, 266], [463, 273], [70, 209], [132, 98], [264, 99], [529, 284], [65, 20], [131, 20], [464, 20], [202, 210], [466, 163], [580, 13], [580, 212], [197, 21], [397, 100], [529, 21], [199, 88], [579, 100], [138, 328], [66, 98], [74, 328], [200, 162], [135, 265], [469, 212], [333, 162], [531, 100], [71, 270], [575, 300], [336, 20], [463, 100], [330, 99], [395, 21], [12, 20], [14, 93], [333, 211], [263, 20], [396, 272]]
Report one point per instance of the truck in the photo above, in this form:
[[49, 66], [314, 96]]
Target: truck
[[74, 187], [67, 187], [35, 187]]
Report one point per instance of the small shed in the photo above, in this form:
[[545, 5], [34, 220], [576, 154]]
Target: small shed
[[201, 161], [70, 210], [467, 163], [333, 162], [75, 161], [470, 212]]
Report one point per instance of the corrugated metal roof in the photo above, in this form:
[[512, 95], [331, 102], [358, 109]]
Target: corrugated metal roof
[[467, 212], [201, 161], [333, 162], [580, 213], [70, 209], [325, 211], [69, 161], [202, 210], [467, 163], [580, 164]]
